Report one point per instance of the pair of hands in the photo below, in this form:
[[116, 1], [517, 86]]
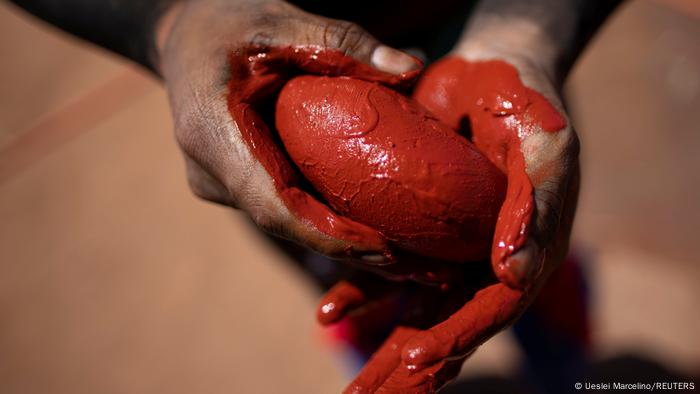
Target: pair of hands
[[208, 56]]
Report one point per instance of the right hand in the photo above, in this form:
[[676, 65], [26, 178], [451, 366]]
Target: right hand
[[209, 53]]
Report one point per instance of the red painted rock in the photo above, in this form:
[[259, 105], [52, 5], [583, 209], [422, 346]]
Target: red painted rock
[[381, 159]]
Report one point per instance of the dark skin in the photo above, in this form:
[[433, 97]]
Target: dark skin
[[187, 43]]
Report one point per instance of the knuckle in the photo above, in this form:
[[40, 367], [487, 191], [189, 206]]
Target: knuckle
[[345, 36], [272, 22], [262, 38], [264, 30]]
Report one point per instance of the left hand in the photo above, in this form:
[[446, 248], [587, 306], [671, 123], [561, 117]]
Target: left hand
[[223, 62], [419, 358]]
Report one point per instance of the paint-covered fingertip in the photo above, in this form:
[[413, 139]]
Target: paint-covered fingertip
[[328, 313], [338, 301]]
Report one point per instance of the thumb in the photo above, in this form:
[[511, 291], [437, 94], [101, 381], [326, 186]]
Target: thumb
[[356, 42]]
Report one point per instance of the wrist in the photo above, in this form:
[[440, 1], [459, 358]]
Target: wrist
[[547, 33]]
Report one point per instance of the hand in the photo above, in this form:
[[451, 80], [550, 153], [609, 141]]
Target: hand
[[523, 132], [475, 305], [517, 121], [222, 60]]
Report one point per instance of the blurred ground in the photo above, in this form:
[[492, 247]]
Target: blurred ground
[[114, 279]]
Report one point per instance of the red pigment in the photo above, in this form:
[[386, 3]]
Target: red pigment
[[257, 73], [380, 159], [501, 111]]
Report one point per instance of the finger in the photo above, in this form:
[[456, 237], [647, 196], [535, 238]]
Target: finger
[[329, 46], [552, 171], [285, 25], [342, 297], [549, 237], [550, 154], [491, 310], [355, 42], [382, 363], [338, 62], [259, 71], [512, 227], [537, 169], [365, 295]]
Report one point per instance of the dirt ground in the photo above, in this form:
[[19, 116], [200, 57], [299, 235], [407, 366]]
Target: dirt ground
[[115, 279]]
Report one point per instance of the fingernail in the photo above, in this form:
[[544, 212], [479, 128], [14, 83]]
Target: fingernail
[[375, 259], [393, 61]]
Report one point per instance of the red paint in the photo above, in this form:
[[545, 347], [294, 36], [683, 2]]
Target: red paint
[[413, 360], [502, 111], [337, 301], [491, 309], [380, 159], [388, 357], [256, 74]]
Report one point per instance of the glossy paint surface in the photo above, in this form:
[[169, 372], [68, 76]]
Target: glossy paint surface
[[379, 158]]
